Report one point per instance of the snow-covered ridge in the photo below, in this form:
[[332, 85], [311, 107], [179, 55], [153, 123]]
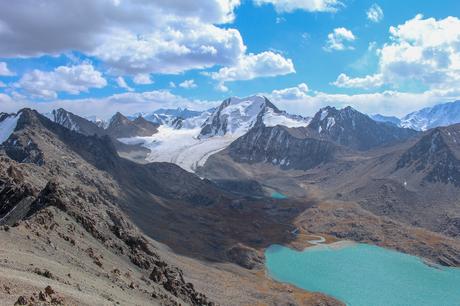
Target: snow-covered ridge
[[238, 115], [431, 117], [8, 124]]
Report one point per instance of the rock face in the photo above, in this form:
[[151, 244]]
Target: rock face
[[121, 127], [75, 123], [352, 129], [436, 155], [287, 148]]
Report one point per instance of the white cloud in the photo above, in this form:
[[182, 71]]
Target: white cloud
[[426, 50], [292, 93], [142, 79], [307, 102], [172, 85], [287, 6], [2, 84], [131, 36], [4, 71], [375, 13], [370, 81], [179, 45], [420, 52], [188, 84], [68, 79], [251, 66], [122, 84], [338, 40]]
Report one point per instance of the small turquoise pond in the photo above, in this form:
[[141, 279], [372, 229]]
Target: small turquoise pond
[[277, 195], [364, 275]]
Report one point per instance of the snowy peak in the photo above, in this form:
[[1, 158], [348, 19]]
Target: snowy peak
[[74, 122], [167, 116], [387, 119], [238, 115], [353, 129], [431, 117]]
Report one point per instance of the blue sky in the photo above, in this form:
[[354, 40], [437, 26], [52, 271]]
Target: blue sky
[[390, 57]]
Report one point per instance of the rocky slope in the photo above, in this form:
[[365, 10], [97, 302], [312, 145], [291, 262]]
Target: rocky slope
[[75, 123], [121, 127], [352, 129], [106, 210], [299, 148]]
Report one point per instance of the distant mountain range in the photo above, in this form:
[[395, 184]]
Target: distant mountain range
[[426, 118]]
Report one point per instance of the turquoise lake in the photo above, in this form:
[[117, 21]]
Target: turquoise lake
[[277, 195], [365, 275]]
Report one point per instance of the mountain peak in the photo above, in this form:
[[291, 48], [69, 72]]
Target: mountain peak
[[354, 129], [238, 115]]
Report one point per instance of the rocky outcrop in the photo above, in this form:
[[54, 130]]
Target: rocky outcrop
[[436, 154], [287, 148]]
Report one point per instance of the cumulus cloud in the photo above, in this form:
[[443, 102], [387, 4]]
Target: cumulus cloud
[[142, 79], [4, 71], [308, 102], [131, 36], [122, 84], [2, 84], [292, 93], [369, 81], [375, 13], [69, 79], [188, 84], [425, 51], [339, 40], [287, 6], [251, 66]]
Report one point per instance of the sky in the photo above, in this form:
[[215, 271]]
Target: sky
[[97, 57]]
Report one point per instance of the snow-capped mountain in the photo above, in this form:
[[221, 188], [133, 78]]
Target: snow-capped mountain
[[189, 142], [98, 121], [172, 116], [237, 116], [74, 122], [356, 130], [388, 119], [431, 117]]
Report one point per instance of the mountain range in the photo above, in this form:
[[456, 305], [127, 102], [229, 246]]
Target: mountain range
[[427, 118], [175, 206]]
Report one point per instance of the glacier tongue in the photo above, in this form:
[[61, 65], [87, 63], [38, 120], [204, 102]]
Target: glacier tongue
[[7, 126], [181, 146]]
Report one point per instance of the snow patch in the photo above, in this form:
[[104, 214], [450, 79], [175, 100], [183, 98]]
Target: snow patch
[[273, 119], [7, 127]]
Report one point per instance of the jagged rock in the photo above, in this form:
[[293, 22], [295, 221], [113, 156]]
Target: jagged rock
[[22, 300]]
